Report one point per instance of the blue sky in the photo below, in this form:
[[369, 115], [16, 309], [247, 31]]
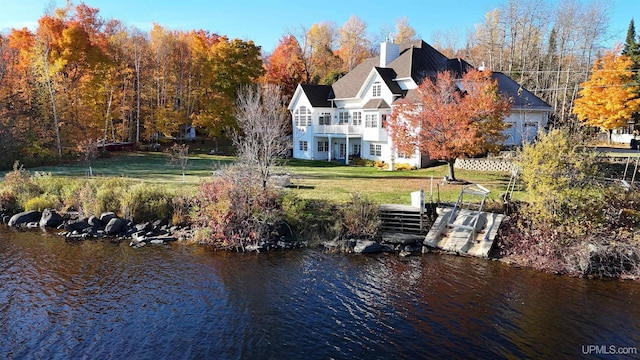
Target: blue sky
[[265, 22]]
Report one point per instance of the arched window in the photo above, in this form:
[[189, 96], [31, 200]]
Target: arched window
[[302, 116]]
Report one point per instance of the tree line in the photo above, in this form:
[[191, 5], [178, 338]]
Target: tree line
[[80, 78]]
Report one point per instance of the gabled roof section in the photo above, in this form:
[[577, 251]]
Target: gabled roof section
[[458, 67], [418, 60], [318, 95], [348, 86], [388, 75], [521, 97], [376, 104]]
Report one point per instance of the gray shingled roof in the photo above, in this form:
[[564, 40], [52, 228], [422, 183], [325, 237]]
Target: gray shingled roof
[[418, 60], [376, 104], [348, 85], [522, 98], [318, 95]]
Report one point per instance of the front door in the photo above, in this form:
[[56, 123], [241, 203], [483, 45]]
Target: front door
[[342, 153]]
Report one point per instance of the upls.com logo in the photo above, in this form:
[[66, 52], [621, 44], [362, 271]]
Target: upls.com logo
[[609, 350]]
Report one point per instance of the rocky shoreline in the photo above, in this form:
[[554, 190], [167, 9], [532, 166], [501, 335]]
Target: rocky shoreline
[[73, 226]]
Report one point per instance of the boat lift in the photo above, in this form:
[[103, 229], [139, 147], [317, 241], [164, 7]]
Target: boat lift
[[464, 228]]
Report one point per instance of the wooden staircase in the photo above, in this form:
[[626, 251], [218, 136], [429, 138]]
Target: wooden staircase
[[405, 219]]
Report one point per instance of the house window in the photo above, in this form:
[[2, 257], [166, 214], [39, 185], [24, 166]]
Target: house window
[[377, 89], [357, 149], [371, 120], [343, 118], [325, 119], [402, 155], [375, 149], [323, 146], [302, 116], [303, 145], [357, 118]]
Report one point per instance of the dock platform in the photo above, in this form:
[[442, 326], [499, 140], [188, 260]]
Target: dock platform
[[460, 236]]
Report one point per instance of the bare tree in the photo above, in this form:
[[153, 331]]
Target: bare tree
[[262, 136], [179, 155]]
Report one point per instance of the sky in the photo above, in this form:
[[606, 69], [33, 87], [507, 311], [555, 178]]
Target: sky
[[266, 21]]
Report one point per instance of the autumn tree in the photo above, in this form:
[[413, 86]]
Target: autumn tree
[[353, 42], [232, 65], [609, 98], [285, 66], [263, 124], [451, 118], [319, 55], [404, 32]]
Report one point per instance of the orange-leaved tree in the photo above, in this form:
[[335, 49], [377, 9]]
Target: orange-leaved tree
[[610, 97], [285, 66], [450, 118]]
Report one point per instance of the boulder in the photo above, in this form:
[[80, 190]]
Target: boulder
[[95, 222], [115, 226], [76, 225], [145, 226], [50, 218], [158, 224], [283, 232], [105, 217], [24, 217], [366, 246]]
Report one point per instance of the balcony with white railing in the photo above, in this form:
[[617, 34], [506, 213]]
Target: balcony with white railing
[[338, 129]]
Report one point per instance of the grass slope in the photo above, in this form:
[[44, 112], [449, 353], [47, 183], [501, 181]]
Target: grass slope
[[319, 179]]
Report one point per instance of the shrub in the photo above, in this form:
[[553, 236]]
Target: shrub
[[144, 202], [380, 164], [236, 209], [109, 195], [84, 199], [562, 180], [181, 206], [362, 162], [404, 167], [359, 218], [41, 202], [9, 202], [19, 183]]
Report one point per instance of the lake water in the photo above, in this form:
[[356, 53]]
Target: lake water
[[99, 300]]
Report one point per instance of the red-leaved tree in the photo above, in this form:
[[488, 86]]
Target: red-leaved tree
[[450, 118]]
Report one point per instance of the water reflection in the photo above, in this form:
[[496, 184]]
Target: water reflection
[[104, 300]]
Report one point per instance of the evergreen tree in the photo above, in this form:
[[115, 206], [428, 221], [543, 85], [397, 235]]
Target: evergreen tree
[[632, 50], [631, 45]]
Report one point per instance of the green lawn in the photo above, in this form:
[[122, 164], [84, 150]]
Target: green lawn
[[319, 179]]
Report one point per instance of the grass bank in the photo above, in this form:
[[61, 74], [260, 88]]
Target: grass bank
[[319, 180]]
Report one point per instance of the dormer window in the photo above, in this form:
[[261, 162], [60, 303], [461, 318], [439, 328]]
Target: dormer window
[[377, 89]]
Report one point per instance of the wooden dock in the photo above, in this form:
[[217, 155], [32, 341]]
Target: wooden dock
[[460, 236]]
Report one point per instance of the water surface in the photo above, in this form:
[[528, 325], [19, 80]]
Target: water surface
[[98, 300]]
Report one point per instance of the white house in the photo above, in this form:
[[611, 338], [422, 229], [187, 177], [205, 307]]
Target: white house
[[348, 118]]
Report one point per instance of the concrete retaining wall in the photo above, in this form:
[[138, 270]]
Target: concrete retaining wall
[[484, 165]]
